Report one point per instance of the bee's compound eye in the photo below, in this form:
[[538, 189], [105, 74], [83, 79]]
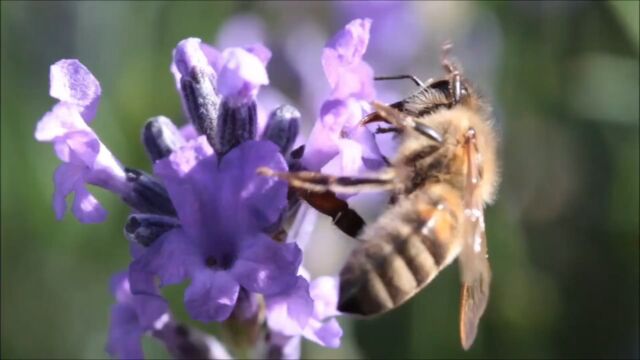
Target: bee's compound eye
[[428, 131]]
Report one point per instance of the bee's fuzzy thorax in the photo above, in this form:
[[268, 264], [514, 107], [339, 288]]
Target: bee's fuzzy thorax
[[446, 162]]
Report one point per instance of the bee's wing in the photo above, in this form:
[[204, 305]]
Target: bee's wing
[[474, 265]]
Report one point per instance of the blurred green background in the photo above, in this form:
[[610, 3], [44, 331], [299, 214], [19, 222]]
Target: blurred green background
[[563, 235]]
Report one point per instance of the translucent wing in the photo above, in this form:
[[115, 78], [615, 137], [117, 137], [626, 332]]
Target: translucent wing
[[474, 265]]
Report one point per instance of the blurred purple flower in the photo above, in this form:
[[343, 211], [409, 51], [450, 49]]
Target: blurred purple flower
[[337, 135], [132, 316], [147, 313], [348, 74], [307, 310], [223, 206], [85, 160], [398, 29]]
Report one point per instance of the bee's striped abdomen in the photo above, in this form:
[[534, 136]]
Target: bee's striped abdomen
[[401, 252]]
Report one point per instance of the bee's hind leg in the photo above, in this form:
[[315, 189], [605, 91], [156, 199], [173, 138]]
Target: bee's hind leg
[[319, 190], [318, 182]]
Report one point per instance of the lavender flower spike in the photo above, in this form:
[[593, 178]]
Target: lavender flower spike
[[85, 159], [223, 205], [337, 137]]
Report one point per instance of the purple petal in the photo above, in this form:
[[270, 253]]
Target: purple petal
[[125, 334], [65, 179], [321, 147], [183, 160], [211, 295], [119, 286], [367, 140], [288, 313], [260, 51], [351, 42], [188, 54], [188, 174], [355, 80], [324, 291], [348, 162], [83, 148], [62, 119], [101, 167], [261, 198], [342, 62], [86, 207], [149, 306], [336, 114], [71, 82], [172, 257], [152, 311], [266, 266], [214, 57], [188, 132], [241, 75], [323, 143], [326, 334]]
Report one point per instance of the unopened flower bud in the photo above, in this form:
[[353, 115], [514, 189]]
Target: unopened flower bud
[[160, 137], [147, 194], [201, 100], [144, 229], [282, 127], [237, 123]]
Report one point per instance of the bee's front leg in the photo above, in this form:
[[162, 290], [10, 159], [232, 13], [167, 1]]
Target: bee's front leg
[[319, 190]]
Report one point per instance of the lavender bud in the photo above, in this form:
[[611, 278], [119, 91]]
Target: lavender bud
[[148, 195], [201, 100], [160, 137], [144, 229], [237, 123], [282, 127]]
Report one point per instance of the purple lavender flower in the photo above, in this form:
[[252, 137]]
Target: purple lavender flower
[[147, 313], [132, 316], [307, 310], [85, 160], [207, 218], [399, 28], [337, 135], [223, 206]]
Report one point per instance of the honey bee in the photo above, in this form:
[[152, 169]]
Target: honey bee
[[443, 175]]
